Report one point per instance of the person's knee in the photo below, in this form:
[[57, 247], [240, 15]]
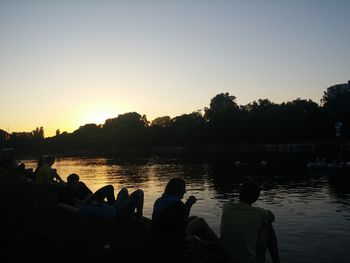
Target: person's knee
[[110, 187], [199, 221], [139, 193], [124, 190], [196, 223]]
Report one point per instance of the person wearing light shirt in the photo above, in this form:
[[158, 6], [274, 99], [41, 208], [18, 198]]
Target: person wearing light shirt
[[246, 231]]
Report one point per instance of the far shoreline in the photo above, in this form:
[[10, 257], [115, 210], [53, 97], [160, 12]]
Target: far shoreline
[[302, 151]]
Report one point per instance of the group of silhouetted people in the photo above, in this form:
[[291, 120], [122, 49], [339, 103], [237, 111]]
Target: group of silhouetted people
[[245, 232]]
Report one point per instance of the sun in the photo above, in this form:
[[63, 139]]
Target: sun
[[97, 116]]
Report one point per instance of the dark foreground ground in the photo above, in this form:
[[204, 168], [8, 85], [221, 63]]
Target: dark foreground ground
[[33, 228]]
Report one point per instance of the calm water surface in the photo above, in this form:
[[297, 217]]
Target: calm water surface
[[312, 208]]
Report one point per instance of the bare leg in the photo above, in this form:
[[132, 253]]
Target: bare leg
[[104, 192], [136, 198], [200, 228], [122, 196], [128, 203]]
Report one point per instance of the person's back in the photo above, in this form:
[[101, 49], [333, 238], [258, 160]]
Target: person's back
[[43, 175], [169, 223], [240, 224], [168, 218], [48, 176], [246, 230]]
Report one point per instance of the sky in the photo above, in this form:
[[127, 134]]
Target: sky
[[64, 64]]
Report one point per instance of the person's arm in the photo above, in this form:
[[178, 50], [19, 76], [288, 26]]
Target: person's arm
[[272, 244], [271, 216], [56, 176], [188, 205]]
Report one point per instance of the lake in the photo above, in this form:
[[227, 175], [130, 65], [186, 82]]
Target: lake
[[312, 208]]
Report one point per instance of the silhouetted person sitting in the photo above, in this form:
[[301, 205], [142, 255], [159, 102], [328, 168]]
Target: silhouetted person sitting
[[48, 176], [246, 231], [40, 163], [8, 162], [171, 223], [78, 195]]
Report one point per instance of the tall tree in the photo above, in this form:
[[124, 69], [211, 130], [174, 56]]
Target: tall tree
[[336, 105], [222, 118]]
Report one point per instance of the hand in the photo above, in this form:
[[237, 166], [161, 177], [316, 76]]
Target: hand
[[191, 200]]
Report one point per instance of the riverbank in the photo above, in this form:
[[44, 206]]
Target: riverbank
[[33, 227]]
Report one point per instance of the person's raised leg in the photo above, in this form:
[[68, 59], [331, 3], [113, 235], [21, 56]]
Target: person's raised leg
[[200, 228], [104, 192], [135, 201], [122, 196]]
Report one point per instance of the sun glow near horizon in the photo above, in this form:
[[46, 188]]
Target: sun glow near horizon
[[97, 114], [65, 64]]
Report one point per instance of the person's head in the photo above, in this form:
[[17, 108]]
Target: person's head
[[49, 160], [73, 180], [249, 193], [175, 186]]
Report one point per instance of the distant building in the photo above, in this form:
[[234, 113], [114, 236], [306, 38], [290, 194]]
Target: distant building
[[4, 136], [334, 90]]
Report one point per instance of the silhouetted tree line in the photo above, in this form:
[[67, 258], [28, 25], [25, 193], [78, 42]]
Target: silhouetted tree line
[[222, 122]]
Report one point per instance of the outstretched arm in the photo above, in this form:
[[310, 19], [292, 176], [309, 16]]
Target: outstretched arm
[[56, 176], [188, 205], [272, 244]]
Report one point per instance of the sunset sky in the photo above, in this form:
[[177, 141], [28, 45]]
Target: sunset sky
[[67, 63]]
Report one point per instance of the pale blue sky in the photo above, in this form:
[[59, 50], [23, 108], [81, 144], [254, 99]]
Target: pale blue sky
[[67, 63]]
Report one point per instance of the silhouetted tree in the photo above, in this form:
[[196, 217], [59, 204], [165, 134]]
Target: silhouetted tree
[[188, 129], [160, 132], [87, 136], [38, 133], [126, 130], [161, 122], [222, 117], [223, 122], [222, 107], [336, 106], [260, 120]]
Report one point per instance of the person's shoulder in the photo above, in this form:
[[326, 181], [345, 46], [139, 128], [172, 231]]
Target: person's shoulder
[[245, 208], [236, 206], [83, 187], [269, 216], [82, 184], [43, 171], [230, 205]]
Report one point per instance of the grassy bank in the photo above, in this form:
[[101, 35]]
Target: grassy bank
[[32, 227]]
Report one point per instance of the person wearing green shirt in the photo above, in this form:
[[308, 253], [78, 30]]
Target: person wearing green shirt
[[246, 231], [46, 175]]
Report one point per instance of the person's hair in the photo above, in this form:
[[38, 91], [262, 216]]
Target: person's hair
[[249, 192], [72, 178], [175, 186]]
